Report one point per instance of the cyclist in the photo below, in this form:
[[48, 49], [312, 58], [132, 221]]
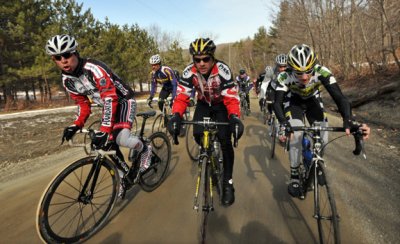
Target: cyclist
[[303, 83], [262, 83], [280, 66], [91, 81], [217, 98], [164, 75], [244, 84]]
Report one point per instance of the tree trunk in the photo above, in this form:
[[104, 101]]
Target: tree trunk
[[34, 90]]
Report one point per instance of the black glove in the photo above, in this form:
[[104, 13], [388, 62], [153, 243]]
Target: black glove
[[99, 139], [284, 129], [233, 121], [69, 132], [174, 124]]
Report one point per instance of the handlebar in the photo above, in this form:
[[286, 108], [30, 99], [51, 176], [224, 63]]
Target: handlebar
[[99, 151], [355, 131], [207, 123]]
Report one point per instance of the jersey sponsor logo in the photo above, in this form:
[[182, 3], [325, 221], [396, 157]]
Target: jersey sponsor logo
[[187, 72], [224, 71], [120, 87], [107, 112], [102, 82]]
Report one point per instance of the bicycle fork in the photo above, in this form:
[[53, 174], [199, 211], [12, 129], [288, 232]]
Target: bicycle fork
[[86, 196]]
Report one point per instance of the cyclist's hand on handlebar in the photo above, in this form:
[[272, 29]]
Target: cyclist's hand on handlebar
[[69, 132], [174, 127], [353, 126], [99, 139], [237, 126], [285, 129]]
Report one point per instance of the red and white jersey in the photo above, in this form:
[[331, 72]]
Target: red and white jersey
[[94, 82], [218, 87]]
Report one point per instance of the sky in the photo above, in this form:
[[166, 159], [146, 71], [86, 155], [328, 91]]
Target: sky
[[223, 20]]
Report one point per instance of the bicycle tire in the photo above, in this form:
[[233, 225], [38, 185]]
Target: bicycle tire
[[86, 139], [325, 211], [273, 137], [203, 210], [158, 124], [156, 173], [60, 206], [192, 148]]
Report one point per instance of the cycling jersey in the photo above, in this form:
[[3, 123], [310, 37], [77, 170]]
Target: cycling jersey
[[321, 76], [93, 82], [165, 76], [217, 88], [244, 83]]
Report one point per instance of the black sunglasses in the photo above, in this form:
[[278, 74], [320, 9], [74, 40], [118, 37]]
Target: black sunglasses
[[205, 60], [63, 55], [305, 72]]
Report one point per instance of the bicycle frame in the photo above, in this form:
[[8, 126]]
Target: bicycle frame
[[206, 159]]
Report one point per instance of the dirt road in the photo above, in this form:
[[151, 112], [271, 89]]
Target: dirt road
[[366, 191]]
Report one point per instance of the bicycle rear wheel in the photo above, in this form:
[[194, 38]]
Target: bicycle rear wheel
[[66, 214], [273, 136], [192, 147], [325, 210], [204, 201], [156, 173]]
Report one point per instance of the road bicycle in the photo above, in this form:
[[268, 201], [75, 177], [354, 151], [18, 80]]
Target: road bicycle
[[244, 106], [95, 125], [312, 172], [79, 200], [210, 171]]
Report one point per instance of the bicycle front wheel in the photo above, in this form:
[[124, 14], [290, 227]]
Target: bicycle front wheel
[[204, 200], [156, 173], [192, 147], [66, 213], [158, 124], [325, 209]]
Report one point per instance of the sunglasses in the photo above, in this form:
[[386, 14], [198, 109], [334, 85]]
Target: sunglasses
[[305, 72], [205, 60], [63, 55]]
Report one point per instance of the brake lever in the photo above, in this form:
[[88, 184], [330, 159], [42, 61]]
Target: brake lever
[[175, 136], [235, 140]]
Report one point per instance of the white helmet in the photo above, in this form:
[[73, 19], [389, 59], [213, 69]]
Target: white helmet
[[155, 59], [269, 72], [60, 44], [302, 58], [281, 59]]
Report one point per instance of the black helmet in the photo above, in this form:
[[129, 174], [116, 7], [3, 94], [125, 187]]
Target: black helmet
[[242, 72], [202, 46]]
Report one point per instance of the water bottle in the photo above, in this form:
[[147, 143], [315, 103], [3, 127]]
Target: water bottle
[[307, 154]]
